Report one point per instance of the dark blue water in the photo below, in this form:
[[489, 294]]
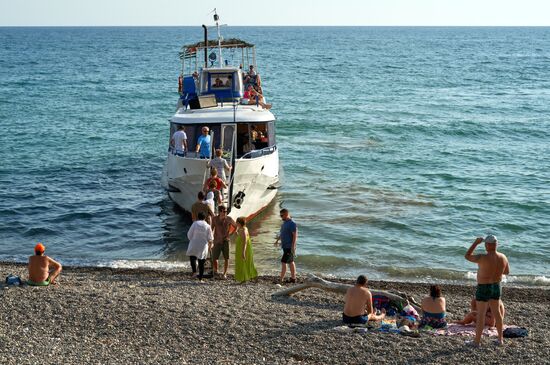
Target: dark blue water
[[399, 146]]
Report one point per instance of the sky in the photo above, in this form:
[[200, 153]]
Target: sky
[[275, 12]]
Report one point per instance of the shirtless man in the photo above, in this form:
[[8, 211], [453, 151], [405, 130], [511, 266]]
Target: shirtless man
[[492, 266], [41, 266], [358, 298]]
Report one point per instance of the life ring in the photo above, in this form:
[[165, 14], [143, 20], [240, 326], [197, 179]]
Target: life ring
[[180, 84]]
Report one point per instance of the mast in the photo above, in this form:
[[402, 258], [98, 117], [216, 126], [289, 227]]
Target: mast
[[216, 19]]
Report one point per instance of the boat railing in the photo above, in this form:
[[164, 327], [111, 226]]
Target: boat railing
[[187, 154], [258, 153]]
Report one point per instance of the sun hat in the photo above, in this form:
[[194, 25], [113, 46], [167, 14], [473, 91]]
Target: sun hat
[[491, 239], [39, 247]]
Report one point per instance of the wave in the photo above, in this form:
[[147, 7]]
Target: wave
[[457, 277], [152, 264]]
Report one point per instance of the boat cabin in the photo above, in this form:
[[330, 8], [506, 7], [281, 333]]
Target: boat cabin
[[222, 78], [251, 140]]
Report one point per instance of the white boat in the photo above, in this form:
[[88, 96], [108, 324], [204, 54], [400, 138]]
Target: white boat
[[211, 94]]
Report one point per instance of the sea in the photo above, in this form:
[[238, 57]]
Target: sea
[[399, 146]]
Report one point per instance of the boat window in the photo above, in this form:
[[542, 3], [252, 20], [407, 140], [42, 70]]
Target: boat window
[[258, 135], [271, 134], [255, 137], [221, 81]]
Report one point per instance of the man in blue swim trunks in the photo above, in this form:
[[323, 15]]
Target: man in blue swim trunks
[[358, 308], [491, 267]]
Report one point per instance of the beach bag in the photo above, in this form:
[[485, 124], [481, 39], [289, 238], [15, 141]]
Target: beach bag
[[515, 332], [13, 280]]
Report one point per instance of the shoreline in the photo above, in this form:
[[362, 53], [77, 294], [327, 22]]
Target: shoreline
[[179, 266], [106, 315]]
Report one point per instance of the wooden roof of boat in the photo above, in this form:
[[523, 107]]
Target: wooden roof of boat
[[231, 42]]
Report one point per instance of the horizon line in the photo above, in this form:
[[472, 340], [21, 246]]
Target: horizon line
[[286, 25]]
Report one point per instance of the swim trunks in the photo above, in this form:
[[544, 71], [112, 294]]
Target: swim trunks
[[486, 292], [288, 256], [355, 320], [40, 283], [221, 248], [434, 320]]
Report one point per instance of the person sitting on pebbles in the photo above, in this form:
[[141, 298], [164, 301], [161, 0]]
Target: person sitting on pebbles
[[471, 317], [43, 270], [434, 309], [358, 307]]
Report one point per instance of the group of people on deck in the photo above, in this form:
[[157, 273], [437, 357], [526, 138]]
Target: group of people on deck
[[178, 142], [485, 309], [253, 94]]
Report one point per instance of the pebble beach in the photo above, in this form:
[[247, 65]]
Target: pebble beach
[[116, 316]]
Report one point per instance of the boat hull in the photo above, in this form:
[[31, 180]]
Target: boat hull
[[257, 178]]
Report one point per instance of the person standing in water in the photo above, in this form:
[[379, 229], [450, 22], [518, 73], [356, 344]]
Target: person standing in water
[[43, 270], [491, 267], [287, 236], [244, 257]]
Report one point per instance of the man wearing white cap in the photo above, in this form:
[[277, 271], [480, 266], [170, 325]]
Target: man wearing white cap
[[491, 267]]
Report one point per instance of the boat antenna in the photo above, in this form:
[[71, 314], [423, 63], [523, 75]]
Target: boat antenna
[[205, 46], [216, 19]]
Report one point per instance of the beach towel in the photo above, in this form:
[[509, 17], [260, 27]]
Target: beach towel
[[356, 329], [455, 329]]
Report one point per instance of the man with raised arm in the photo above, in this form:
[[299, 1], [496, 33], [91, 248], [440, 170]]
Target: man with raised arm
[[358, 308], [491, 267], [43, 270]]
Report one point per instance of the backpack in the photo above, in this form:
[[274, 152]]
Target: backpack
[[13, 280]]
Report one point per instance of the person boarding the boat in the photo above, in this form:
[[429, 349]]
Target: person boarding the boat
[[179, 141], [220, 164], [491, 267], [43, 270], [200, 207], [220, 184], [203, 143]]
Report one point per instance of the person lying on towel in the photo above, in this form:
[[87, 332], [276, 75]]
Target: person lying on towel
[[358, 308], [43, 270]]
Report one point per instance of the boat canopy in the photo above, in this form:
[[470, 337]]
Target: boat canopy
[[226, 114], [188, 50]]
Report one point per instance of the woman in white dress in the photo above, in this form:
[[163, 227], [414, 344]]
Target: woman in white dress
[[200, 240]]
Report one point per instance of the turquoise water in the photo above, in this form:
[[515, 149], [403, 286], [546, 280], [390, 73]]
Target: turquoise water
[[399, 146]]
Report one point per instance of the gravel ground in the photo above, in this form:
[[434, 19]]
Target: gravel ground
[[108, 316]]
